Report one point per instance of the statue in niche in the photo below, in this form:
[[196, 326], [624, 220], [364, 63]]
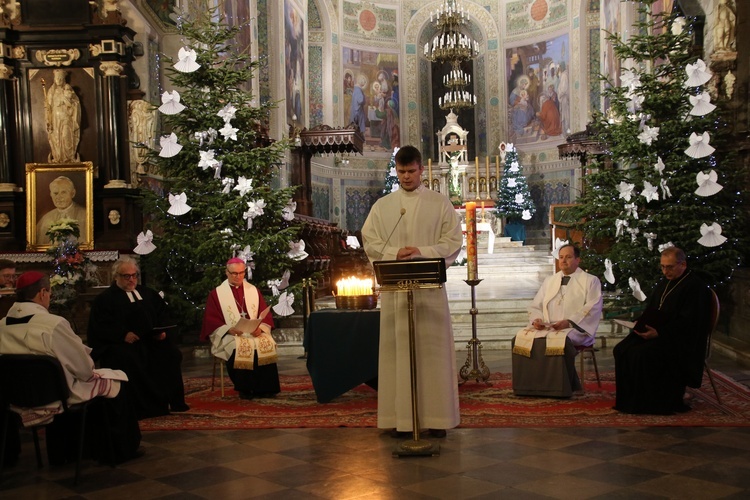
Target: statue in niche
[[455, 188], [62, 111], [724, 30], [141, 122]]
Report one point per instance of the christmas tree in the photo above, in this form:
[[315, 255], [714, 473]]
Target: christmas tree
[[391, 179], [216, 200], [665, 185], [513, 197]]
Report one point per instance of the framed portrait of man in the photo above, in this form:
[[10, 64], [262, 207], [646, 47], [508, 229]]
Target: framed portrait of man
[[57, 191]]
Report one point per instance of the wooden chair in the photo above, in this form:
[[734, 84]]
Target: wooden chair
[[220, 362], [591, 351], [715, 310], [31, 381]]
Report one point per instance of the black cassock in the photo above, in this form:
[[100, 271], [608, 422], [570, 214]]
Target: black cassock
[[651, 375], [153, 366]]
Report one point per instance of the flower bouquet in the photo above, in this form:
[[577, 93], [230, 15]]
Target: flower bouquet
[[71, 267]]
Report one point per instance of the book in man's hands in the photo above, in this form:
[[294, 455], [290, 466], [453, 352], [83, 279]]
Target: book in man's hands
[[651, 317], [246, 325]]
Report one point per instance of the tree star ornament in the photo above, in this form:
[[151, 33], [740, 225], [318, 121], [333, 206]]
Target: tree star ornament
[[649, 192], [229, 132], [648, 135], [609, 275], [636, 288], [169, 145], [699, 146], [227, 113], [711, 235], [186, 63], [170, 103], [145, 243], [178, 204], [207, 159], [625, 190], [697, 74], [244, 185]]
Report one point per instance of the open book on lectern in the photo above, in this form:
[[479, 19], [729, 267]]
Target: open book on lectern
[[421, 270]]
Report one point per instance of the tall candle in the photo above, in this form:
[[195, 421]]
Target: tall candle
[[476, 164], [497, 167], [471, 240], [429, 171], [486, 178]]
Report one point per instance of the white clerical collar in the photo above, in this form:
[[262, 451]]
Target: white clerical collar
[[134, 295]]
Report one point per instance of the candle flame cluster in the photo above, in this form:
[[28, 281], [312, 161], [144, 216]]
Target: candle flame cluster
[[354, 286]]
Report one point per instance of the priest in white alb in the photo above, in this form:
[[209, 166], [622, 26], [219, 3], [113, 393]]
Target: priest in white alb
[[564, 314], [409, 223], [250, 355]]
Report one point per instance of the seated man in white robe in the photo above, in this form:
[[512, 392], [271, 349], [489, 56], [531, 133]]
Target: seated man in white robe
[[564, 314], [250, 355]]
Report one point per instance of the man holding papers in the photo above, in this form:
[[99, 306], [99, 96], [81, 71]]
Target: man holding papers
[[565, 313], [238, 324], [130, 330], [30, 329]]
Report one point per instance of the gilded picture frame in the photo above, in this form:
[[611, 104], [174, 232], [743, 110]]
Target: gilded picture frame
[[55, 190]]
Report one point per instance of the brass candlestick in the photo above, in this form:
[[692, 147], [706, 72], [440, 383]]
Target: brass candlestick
[[474, 367]]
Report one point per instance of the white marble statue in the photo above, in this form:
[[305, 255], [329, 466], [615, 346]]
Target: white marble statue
[[62, 110]]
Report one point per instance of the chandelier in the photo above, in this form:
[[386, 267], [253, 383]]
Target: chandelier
[[449, 45]]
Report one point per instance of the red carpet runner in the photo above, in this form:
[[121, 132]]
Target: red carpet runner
[[481, 406]]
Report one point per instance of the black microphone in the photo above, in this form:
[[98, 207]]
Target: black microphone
[[403, 211]]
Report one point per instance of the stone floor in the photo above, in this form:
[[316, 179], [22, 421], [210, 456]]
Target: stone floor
[[519, 463]]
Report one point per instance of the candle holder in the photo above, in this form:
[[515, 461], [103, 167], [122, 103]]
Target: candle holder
[[474, 367], [356, 301]]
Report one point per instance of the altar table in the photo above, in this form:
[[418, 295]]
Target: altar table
[[342, 350]]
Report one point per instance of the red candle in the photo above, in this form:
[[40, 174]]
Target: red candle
[[471, 240]]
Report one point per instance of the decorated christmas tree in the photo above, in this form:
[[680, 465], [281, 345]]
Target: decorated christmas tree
[[664, 183], [391, 179], [513, 197], [216, 200]]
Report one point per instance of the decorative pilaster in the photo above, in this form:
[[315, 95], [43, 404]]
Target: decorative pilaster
[[7, 182], [114, 154]]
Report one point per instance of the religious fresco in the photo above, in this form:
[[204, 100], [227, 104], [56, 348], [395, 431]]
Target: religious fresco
[[370, 20], [525, 16], [371, 96], [538, 91], [294, 51]]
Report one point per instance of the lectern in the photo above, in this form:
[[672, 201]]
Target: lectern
[[407, 276]]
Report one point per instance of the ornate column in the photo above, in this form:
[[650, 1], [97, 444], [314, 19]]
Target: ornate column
[[7, 181], [114, 153]]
